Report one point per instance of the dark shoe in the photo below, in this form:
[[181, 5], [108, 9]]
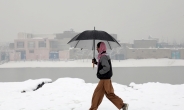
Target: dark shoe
[[125, 107]]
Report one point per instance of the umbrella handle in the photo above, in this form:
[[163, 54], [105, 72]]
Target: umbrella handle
[[93, 65]]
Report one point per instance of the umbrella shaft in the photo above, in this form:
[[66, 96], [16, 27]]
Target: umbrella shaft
[[93, 48]]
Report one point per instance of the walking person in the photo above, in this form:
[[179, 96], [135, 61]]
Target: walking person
[[104, 73]]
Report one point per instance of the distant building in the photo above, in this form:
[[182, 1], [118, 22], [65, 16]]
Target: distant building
[[133, 53], [150, 48], [4, 52], [11, 46], [126, 45], [22, 35], [32, 49], [145, 43], [30, 46], [64, 38], [66, 34]]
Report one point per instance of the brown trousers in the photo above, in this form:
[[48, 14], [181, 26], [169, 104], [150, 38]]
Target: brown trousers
[[105, 87]]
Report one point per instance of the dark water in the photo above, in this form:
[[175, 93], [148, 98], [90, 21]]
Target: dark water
[[122, 75]]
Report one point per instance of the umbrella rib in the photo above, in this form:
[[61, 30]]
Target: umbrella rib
[[109, 45], [76, 44], [116, 41], [73, 38]]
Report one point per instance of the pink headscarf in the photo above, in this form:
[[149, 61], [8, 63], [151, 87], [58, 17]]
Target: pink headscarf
[[101, 49]]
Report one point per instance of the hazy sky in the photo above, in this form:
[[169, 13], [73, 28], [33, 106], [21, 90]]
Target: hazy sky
[[129, 19]]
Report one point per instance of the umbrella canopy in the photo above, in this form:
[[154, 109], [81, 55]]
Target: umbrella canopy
[[89, 39]]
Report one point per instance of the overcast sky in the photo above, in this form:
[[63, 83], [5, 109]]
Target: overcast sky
[[129, 19]]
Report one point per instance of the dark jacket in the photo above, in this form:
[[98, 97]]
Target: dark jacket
[[104, 70]]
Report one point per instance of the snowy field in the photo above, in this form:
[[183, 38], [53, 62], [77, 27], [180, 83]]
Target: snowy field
[[75, 94], [87, 63]]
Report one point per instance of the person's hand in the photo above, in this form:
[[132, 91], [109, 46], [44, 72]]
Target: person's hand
[[94, 61]]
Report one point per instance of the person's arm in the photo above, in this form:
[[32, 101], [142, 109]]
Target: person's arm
[[105, 64]]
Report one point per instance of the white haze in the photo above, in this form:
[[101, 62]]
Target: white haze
[[135, 19]]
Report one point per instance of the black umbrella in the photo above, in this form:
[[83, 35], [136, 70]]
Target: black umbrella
[[89, 38]]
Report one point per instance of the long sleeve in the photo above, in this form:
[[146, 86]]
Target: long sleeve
[[105, 64]]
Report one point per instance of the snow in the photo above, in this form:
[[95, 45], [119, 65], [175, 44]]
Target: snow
[[87, 63], [75, 94], [38, 38]]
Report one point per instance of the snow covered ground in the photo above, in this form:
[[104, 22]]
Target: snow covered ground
[[87, 63], [75, 94]]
